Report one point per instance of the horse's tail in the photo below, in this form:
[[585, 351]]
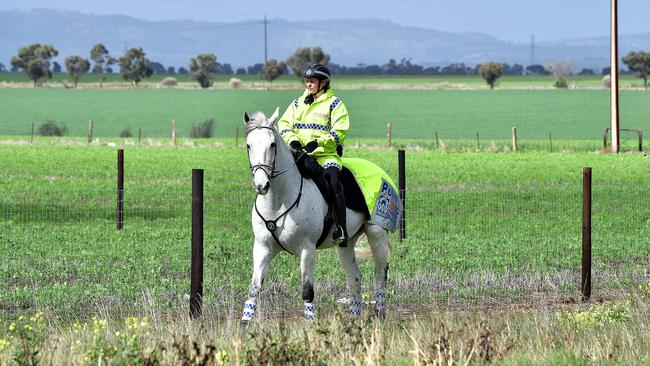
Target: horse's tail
[[362, 254]]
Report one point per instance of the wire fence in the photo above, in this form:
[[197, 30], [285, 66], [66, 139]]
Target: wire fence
[[61, 250]]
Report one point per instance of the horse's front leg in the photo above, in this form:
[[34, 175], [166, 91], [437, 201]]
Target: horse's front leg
[[262, 256], [353, 278], [307, 265]]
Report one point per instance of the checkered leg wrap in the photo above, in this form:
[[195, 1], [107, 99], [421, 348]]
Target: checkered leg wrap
[[249, 310], [310, 311], [355, 308], [380, 300]]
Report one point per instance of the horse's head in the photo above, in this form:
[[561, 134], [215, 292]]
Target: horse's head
[[262, 148]]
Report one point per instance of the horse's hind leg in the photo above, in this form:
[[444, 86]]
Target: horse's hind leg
[[262, 256], [380, 247], [353, 277]]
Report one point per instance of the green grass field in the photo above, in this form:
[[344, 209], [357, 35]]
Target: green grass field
[[414, 114], [504, 226]]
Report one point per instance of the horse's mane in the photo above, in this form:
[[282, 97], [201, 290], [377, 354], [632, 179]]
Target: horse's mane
[[258, 119]]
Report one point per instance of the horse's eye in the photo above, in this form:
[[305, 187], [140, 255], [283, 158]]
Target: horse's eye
[[272, 145]]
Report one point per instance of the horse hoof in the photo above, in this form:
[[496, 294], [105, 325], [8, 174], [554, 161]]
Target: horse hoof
[[244, 324], [380, 314]]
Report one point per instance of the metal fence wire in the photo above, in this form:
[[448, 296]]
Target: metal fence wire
[[61, 250]]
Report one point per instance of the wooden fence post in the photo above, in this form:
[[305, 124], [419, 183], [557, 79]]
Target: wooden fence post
[[174, 132], [514, 139], [196, 285], [437, 141], [401, 165], [90, 131], [478, 142], [586, 234], [388, 134], [31, 141], [139, 134], [550, 141], [120, 189]]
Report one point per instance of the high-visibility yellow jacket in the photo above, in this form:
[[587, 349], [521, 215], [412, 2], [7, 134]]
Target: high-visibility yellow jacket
[[326, 120]]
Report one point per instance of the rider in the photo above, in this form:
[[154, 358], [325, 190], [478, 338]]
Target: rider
[[317, 123]]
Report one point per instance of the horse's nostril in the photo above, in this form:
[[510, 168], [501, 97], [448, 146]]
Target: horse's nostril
[[267, 185]]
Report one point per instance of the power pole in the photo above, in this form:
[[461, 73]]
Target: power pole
[[265, 40], [613, 74], [532, 49]]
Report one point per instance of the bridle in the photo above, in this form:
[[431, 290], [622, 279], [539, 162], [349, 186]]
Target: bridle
[[271, 173], [272, 225]]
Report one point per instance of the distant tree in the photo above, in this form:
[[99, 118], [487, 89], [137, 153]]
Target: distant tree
[[273, 69], [171, 70], [586, 71], [76, 65], [490, 72], [560, 69], [102, 59], [536, 69], [241, 71], [255, 69], [224, 69], [35, 61], [605, 70], [639, 63], [56, 67], [203, 67], [157, 68], [3, 68], [182, 71], [302, 57], [134, 66], [515, 69]]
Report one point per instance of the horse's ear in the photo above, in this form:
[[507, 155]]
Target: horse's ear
[[247, 118], [274, 116]]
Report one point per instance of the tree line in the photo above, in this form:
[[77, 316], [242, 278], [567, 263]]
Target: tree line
[[35, 60]]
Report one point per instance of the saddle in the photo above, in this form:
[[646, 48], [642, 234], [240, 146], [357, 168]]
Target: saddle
[[354, 200]]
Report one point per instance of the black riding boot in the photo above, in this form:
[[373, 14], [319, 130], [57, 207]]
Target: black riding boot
[[340, 236]]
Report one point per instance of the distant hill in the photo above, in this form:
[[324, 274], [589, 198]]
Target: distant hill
[[348, 41]]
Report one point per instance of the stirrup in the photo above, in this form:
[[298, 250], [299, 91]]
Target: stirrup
[[339, 237]]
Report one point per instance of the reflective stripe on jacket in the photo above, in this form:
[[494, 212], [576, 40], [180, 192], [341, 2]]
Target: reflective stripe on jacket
[[326, 120]]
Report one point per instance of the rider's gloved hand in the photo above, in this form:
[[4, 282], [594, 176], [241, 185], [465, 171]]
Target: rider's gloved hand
[[296, 145], [311, 146], [339, 150]]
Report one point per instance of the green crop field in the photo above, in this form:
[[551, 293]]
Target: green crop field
[[502, 226], [353, 81], [414, 114]]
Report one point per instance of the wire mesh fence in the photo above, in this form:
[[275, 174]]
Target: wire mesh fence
[[61, 250]]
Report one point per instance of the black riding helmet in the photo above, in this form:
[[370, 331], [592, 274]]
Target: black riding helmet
[[318, 71]]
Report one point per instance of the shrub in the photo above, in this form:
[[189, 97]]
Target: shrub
[[169, 81], [234, 83], [561, 83], [203, 129], [126, 133], [607, 82], [51, 128]]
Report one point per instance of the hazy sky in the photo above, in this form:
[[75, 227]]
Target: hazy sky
[[513, 20]]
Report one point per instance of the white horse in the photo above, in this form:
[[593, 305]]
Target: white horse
[[289, 213]]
